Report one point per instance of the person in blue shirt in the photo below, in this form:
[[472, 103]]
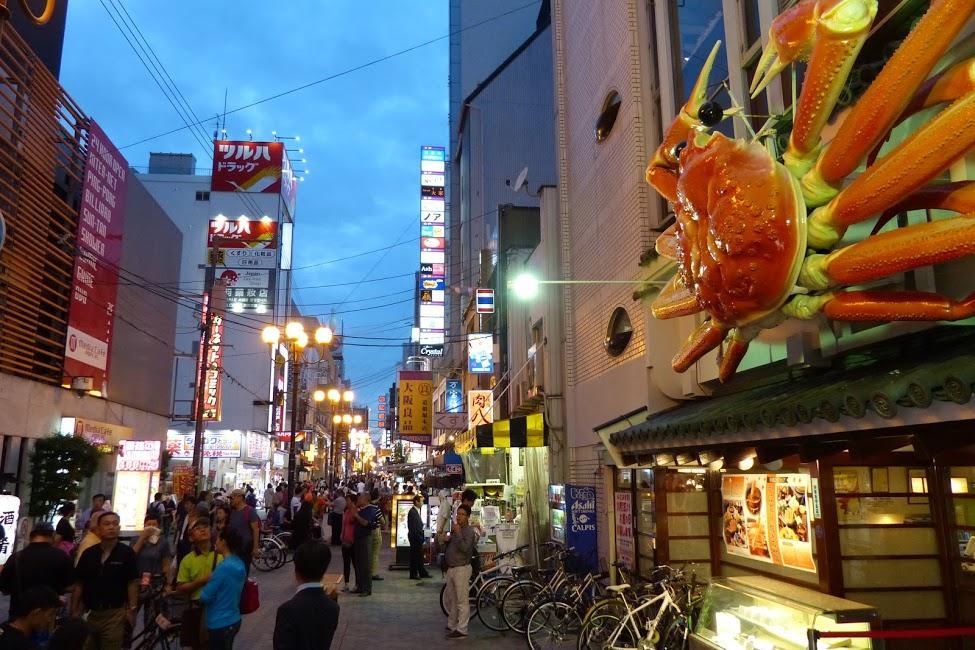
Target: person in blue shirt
[[221, 595]]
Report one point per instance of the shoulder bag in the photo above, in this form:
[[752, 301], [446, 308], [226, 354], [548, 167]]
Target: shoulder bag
[[250, 597]]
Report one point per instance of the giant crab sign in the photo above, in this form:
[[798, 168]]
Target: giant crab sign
[[755, 239]]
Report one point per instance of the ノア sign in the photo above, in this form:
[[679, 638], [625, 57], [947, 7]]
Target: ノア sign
[[245, 166], [416, 406], [138, 456], [101, 217]]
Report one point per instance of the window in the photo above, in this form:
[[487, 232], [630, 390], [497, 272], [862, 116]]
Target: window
[[701, 25], [619, 332], [607, 116], [202, 196]]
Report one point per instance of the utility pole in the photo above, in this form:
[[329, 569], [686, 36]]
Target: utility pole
[[292, 455]]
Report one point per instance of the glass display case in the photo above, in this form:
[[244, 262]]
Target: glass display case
[[758, 613]]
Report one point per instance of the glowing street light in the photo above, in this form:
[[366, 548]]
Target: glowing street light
[[319, 395], [334, 396], [525, 286], [348, 396]]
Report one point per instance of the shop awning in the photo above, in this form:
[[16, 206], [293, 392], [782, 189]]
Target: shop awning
[[527, 431], [869, 393]]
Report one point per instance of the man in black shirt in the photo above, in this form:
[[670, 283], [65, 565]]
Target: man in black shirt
[[38, 563], [107, 586], [34, 614]]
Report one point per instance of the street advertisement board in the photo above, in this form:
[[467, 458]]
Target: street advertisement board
[[130, 498], [9, 516], [183, 481], [289, 185], [480, 353], [101, 434], [138, 456], [480, 407], [416, 406], [258, 447], [625, 551], [101, 225], [454, 396], [210, 370], [766, 517], [243, 233], [246, 166], [580, 530], [216, 444]]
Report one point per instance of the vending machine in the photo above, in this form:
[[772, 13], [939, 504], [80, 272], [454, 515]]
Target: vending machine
[[573, 516]]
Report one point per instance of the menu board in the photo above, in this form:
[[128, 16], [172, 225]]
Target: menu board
[[766, 517]]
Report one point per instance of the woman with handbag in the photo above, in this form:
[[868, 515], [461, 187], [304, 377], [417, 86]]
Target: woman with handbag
[[194, 573], [221, 595]]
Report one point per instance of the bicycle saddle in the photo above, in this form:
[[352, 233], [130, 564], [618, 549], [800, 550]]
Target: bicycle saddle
[[618, 588]]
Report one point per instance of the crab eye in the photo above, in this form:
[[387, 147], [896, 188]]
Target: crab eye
[[710, 113], [678, 148]]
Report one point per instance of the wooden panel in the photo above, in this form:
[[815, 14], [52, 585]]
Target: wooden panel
[[42, 154]]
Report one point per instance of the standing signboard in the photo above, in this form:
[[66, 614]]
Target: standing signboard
[[580, 529], [625, 551], [416, 406], [246, 166], [101, 225]]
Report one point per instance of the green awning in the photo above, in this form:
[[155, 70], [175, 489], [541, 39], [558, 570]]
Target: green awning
[[879, 382]]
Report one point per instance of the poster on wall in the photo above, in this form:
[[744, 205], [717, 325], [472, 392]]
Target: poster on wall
[[625, 551], [183, 481], [766, 517]]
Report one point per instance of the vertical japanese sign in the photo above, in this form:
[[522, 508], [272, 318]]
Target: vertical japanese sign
[[245, 166], [480, 407], [454, 396], [183, 481], [101, 225], [625, 551], [433, 257], [381, 410], [416, 406], [9, 515], [210, 369]]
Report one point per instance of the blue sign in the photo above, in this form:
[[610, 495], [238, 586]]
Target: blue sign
[[580, 524], [455, 396], [432, 153], [432, 284]]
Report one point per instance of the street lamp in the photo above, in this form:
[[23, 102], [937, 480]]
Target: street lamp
[[297, 340]]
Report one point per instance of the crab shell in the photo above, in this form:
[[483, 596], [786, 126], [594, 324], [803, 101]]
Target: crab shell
[[740, 231]]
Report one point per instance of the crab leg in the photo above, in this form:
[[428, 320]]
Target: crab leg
[[667, 244], [705, 338], [675, 300], [892, 252], [841, 30], [897, 305], [957, 196], [879, 107], [733, 353], [917, 160]]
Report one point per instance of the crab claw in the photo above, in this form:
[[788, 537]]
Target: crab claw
[[791, 38], [662, 170]]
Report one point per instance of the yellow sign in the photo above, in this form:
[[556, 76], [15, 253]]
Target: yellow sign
[[416, 406]]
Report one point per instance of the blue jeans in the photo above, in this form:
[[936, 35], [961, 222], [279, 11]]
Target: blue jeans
[[223, 638]]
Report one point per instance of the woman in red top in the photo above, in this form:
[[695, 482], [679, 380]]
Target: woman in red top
[[348, 537]]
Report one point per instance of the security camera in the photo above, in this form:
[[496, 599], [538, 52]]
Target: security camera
[[82, 385]]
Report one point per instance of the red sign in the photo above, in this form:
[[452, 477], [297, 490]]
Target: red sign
[[432, 243], [243, 233], [245, 166], [183, 481], [210, 370], [101, 224]]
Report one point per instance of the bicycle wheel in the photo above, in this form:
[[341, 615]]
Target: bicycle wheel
[[443, 605], [516, 603], [553, 625], [605, 630], [675, 634], [267, 558], [488, 605]]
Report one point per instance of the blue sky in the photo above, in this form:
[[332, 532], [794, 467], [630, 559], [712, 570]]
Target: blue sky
[[361, 132]]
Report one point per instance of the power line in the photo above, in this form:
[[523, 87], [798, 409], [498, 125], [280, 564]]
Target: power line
[[347, 71]]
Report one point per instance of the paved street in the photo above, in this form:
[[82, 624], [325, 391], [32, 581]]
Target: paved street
[[399, 614]]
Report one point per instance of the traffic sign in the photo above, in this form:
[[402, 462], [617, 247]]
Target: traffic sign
[[484, 301]]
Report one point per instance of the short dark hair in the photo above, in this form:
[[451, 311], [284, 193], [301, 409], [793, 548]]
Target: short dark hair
[[151, 515], [466, 509], [234, 540], [66, 509], [37, 597], [157, 496], [99, 496], [312, 559], [108, 513], [468, 495], [201, 521], [374, 494], [417, 499]]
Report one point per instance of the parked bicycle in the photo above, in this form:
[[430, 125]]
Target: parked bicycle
[[274, 549], [501, 569], [161, 620]]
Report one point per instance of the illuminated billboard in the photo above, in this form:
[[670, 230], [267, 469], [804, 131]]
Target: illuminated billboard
[[431, 292]]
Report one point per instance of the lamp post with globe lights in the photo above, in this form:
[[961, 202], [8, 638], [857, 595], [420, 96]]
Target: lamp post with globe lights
[[296, 340]]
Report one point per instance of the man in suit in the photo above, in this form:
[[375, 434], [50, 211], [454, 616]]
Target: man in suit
[[414, 525], [309, 619]]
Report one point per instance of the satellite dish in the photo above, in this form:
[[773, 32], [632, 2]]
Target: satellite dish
[[521, 180]]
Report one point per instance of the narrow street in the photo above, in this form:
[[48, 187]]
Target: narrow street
[[399, 614]]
